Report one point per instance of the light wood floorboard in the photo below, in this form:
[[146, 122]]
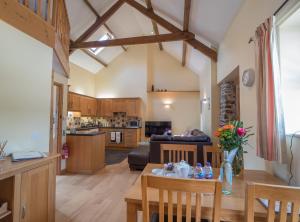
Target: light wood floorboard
[[94, 198]]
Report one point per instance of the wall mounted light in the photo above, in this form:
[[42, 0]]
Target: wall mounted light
[[167, 104]]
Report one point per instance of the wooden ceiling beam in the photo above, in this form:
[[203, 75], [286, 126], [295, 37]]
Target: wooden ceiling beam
[[99, 22], [89, 5], [186, 22], [154, 24], [91, 55], [134, 40], [211, 53]]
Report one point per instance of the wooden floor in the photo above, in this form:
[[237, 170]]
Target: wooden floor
[[94, 198]]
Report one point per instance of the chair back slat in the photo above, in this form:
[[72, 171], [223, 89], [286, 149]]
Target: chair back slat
[[273, 193], [179, 207], [283, 206], [295, 211], [271, 212], [161, 205], [216, 155], [178, 152], [170, 206], [192, 189], [188, 212]]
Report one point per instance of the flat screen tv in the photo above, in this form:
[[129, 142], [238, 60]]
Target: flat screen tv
[[157, 127]]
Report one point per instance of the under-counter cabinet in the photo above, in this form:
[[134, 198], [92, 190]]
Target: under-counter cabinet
[[29, 189]]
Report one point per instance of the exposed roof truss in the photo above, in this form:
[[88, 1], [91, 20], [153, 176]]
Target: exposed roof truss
[[175, 35]]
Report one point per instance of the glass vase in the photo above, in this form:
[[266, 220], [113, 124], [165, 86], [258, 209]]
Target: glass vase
[[238, 163]]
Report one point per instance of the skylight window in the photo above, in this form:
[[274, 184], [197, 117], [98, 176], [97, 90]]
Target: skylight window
[[106, 36]]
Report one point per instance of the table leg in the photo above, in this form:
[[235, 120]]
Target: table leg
[[131, 212]]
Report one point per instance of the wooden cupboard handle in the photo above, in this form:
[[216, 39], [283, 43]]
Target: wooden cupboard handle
[[23, 212]]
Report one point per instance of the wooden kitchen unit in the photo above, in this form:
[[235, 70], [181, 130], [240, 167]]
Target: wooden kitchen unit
[[29, 189], [87, 152], [92, 107], [130, 137]]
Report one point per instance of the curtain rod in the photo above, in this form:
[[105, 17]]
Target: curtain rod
[[275, 13]]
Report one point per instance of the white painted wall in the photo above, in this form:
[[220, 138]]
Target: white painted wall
[[25, 90], [81, 81], [234, 51], [132, 74]]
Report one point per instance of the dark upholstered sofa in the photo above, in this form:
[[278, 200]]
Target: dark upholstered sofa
[[200, 141], [140, 157]]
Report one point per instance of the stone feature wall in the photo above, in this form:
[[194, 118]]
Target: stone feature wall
[[228, 103]]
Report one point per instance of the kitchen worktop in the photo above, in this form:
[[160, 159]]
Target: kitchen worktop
[[125, 127], [78, 133]]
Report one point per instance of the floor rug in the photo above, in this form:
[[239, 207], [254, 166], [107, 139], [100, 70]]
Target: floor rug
[[115, 156]]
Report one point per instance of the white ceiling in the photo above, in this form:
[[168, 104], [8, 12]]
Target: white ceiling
[[209, 21]]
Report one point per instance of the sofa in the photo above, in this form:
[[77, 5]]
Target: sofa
[[200, 141], [140, 157]]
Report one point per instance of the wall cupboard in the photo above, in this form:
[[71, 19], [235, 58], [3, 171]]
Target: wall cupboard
[[89, 106]]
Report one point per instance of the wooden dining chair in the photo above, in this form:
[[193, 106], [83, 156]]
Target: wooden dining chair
[[216, 155], [274, 194], [178, 152], [184, 195]]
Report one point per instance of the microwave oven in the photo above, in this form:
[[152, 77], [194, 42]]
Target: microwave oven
[[134, 124]]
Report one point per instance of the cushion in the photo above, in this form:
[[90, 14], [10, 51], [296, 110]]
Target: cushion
[[161, 138]]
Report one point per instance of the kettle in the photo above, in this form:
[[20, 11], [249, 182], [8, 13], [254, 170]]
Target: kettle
[[182, 169]]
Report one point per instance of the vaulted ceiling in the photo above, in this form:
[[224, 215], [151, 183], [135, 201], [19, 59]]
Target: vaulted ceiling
[[209, 21]]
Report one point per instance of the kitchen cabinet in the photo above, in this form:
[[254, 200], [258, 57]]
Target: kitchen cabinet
[[87, 153], [36, 203], [133, 107], [132, 137], [106, 108], [88, 106], [119, 105], [73, 102], [29, 189]]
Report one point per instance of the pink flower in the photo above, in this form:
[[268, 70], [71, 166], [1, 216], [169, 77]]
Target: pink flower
[[241, 131]]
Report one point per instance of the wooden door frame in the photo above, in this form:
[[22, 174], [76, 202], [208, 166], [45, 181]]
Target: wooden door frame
[[59, 127]]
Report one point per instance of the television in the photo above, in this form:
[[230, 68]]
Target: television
[[157, 127]]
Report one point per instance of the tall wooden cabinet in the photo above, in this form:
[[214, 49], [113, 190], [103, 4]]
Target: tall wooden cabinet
[[88, 106], [106, 109], [133, 107]]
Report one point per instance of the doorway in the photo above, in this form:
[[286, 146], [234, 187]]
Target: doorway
[[57, 113]]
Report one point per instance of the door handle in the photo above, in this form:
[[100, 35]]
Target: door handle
[[23, 214]]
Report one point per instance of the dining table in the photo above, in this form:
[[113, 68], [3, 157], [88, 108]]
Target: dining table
[[232, 205]]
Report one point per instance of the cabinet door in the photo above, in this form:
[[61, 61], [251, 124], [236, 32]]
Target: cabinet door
[[38, 194], [131, 138], [133, 107], [94, 107], [73, 102], [119, 105], [106, 108], [84, 106], [99, 108]]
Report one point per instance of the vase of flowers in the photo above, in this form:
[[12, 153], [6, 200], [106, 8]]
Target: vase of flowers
[[232, 138]]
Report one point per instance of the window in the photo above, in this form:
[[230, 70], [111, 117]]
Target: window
[[289, 44], [106, 36]]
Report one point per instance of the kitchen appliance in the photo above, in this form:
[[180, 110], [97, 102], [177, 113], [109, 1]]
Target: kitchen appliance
[[157, 127], [134, 123]]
